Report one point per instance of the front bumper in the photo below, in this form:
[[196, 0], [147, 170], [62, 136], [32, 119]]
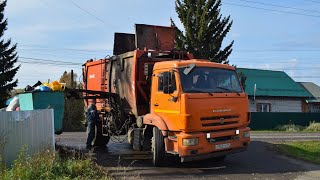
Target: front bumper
[[212, 155], [208, 142]]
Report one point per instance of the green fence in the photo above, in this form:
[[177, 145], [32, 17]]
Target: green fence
[[268, 121]]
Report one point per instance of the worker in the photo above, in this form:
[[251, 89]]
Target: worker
[[92, 118]]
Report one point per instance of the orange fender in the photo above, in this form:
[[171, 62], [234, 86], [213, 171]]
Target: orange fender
[[155, 120]]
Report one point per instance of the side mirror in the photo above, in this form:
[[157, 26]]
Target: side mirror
[[168, 89]]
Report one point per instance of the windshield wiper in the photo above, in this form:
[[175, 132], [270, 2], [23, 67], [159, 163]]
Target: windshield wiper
[[229, 90], [199, 91]]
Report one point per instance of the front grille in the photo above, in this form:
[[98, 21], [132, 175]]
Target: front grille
[[219, 124], [221, 130], [218, 117], [219, 139], [219, 120]]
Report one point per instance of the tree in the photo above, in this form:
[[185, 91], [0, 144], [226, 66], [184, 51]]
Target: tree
[[74, 108], [242, 77], [8, 58], [205, 29]]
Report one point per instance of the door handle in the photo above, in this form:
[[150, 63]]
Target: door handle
[[156, 104]]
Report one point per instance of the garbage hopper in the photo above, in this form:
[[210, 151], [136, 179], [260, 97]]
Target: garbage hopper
[[45, 100]]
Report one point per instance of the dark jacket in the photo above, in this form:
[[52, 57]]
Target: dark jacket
[[92, 115]]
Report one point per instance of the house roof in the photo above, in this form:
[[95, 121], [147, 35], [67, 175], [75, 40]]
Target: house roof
[[312, 88], [271, 83]]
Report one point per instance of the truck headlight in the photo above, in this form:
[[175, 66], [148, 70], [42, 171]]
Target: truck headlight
[[246, 134], [190, 142]]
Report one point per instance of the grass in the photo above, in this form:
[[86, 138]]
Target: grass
[[305, 150], [313, 126], [289, 128], [48, 165]]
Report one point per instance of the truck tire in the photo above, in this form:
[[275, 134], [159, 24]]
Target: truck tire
[[101, 140], [158, 150]]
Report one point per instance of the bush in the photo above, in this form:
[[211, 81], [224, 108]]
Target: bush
[[289, 128], [48, 165], [2, 166], [313, 126]]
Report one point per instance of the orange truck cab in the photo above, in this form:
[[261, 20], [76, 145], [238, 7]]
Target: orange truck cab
[[200, 109], [166, 101]]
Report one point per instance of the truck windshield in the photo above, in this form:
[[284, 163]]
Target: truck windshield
[[210, 80]]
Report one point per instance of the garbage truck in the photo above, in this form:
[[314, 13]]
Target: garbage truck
[[165, 101]]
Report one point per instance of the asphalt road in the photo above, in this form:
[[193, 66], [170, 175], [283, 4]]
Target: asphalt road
[[260, 161]]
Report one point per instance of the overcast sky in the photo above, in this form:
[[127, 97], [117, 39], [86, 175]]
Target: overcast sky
[[276, 35]]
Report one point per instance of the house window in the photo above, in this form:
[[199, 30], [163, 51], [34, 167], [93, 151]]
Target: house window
[[315, 108], [263, 107]]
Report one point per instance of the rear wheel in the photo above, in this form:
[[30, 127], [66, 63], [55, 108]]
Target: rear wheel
[[158, 149], [100, 140]]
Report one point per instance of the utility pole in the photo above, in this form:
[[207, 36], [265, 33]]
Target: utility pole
[[71, 78]]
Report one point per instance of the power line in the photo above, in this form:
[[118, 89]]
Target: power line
[[296, 58], [94, 16], [62, 51], [48, 64], [64, 55], [277, 50], [54, 61], [274, 10], [277, 62], [67, 49], [302, 62], [280, 6]]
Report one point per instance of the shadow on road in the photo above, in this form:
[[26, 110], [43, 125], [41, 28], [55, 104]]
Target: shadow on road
[[259, 159]]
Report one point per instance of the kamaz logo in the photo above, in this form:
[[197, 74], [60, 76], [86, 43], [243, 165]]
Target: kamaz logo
[[91, 76], [221, 110]]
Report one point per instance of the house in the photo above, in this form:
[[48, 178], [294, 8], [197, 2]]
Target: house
[[273, 91], [313, 105]]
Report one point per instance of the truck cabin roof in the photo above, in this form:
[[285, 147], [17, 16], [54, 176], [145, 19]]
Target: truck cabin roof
[[184, 63]]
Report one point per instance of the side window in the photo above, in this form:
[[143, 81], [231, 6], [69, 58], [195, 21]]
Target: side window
[[173, 82], [160, 82], [165, 79]]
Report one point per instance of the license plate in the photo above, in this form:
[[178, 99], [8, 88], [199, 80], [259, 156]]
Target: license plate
[[223, 146]]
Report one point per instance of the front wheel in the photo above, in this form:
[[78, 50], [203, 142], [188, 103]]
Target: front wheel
[[158, 148]]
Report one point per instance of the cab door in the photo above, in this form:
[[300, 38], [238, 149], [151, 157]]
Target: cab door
[[165, 100]]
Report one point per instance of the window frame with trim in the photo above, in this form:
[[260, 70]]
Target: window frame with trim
[[263, 107], [162, 75]]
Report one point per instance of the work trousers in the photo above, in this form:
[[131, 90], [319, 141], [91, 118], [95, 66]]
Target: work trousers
[[91, 130]]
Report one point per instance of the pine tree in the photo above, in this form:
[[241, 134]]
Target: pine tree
[[8, 57], [205, 29]]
